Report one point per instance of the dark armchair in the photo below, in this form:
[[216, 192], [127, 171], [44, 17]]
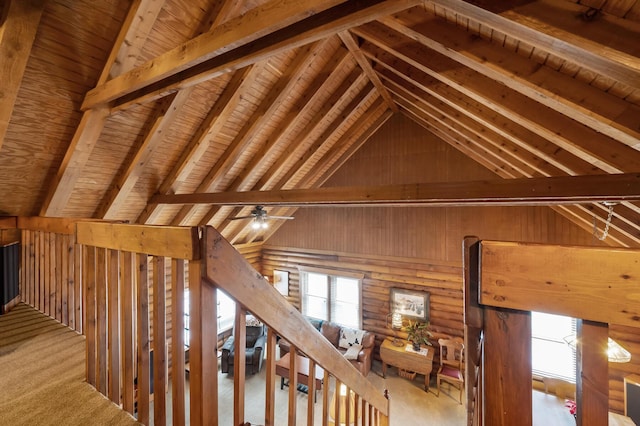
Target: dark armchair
[[254, 349]]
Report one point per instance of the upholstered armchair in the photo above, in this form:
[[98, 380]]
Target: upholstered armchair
[[254, 352]]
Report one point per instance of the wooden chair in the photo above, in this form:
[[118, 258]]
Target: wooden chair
[[451, 358]]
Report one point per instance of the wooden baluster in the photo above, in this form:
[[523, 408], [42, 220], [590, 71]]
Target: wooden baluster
[[89, 262], [311, 391], [159, 342], [293, 384], [143, 338], [325, 397], [177, 341], [269, 417], [239, 366], [114, 327], [101, 320], [127, 330]]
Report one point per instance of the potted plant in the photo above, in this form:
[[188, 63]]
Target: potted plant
[[418, 334]]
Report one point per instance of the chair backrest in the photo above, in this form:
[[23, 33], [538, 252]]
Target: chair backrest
[[451, 352]]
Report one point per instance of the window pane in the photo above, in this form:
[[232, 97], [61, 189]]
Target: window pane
[[226, 311], [346, 314], [317, 285], [347, 290], [316, 307], [551, 356]]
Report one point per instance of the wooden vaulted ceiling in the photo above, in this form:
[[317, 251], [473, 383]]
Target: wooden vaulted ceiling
[[109, 108]]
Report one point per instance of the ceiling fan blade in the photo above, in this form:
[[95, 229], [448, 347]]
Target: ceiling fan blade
[[242, 217], [280, 217]]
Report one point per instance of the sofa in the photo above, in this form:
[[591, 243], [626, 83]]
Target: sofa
[[254, 352], [356, 345]]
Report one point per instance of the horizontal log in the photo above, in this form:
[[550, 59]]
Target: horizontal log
[[597, 284], [499, 192], [174, 242], [9, 222]]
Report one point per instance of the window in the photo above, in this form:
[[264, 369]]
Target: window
[[331, 298], [226, 314], [551, 356]]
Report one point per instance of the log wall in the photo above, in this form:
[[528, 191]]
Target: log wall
[[443, 281]]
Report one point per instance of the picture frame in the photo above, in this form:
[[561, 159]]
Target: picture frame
[[410, 304], [281, 281]]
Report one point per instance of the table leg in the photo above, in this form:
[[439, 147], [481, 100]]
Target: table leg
[[426, 382], [281, 383], [384, 370]]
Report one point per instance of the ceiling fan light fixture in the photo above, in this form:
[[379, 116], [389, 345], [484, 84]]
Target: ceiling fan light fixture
[[255, 224]]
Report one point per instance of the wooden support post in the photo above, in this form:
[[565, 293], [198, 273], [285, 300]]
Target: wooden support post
[[203, 359], [507, 369], [473, 322], [592, 375]]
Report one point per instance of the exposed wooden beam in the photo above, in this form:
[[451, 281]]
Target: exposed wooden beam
[[349, 41], [598, 58], [528, 191], [608, 154], [541, 149], [262, 115], [584, 103], [141, 16], [199, 143], [273, 27], [243, 181], [124, 183], [19, 20]]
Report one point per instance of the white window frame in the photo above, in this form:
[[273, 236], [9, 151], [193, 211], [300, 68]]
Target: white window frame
[[332, 278], [225, 323]]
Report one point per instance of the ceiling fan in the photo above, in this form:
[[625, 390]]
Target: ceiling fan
[[260, 217]]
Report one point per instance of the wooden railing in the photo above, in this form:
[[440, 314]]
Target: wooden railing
[[94, 277], [504, 282]]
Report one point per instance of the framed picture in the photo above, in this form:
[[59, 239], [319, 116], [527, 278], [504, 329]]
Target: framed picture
[[412, 304], [281, 281]]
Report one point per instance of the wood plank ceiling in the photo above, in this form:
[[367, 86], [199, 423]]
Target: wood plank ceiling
[[107, 107]]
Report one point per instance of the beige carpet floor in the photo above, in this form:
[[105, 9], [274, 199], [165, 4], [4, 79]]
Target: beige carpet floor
[[42, 367]]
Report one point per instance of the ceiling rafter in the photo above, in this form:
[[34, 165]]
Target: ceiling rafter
[[244, 180], [608, 154], [264, 112], [356, 139], [335, 101], [92, 122], [19, 22], [598, 58], [199, 143], [455, 126], [351, 44], [324, 139], [586, 104], [525, 139], [267, 30]]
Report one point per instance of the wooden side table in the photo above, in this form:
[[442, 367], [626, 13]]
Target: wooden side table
[[398, 356]]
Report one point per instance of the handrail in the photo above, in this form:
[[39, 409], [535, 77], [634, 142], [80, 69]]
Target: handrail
[[228, 270]]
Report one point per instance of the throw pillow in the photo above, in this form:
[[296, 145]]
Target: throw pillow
[[350, 337], [252, 321], [352, 352]]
